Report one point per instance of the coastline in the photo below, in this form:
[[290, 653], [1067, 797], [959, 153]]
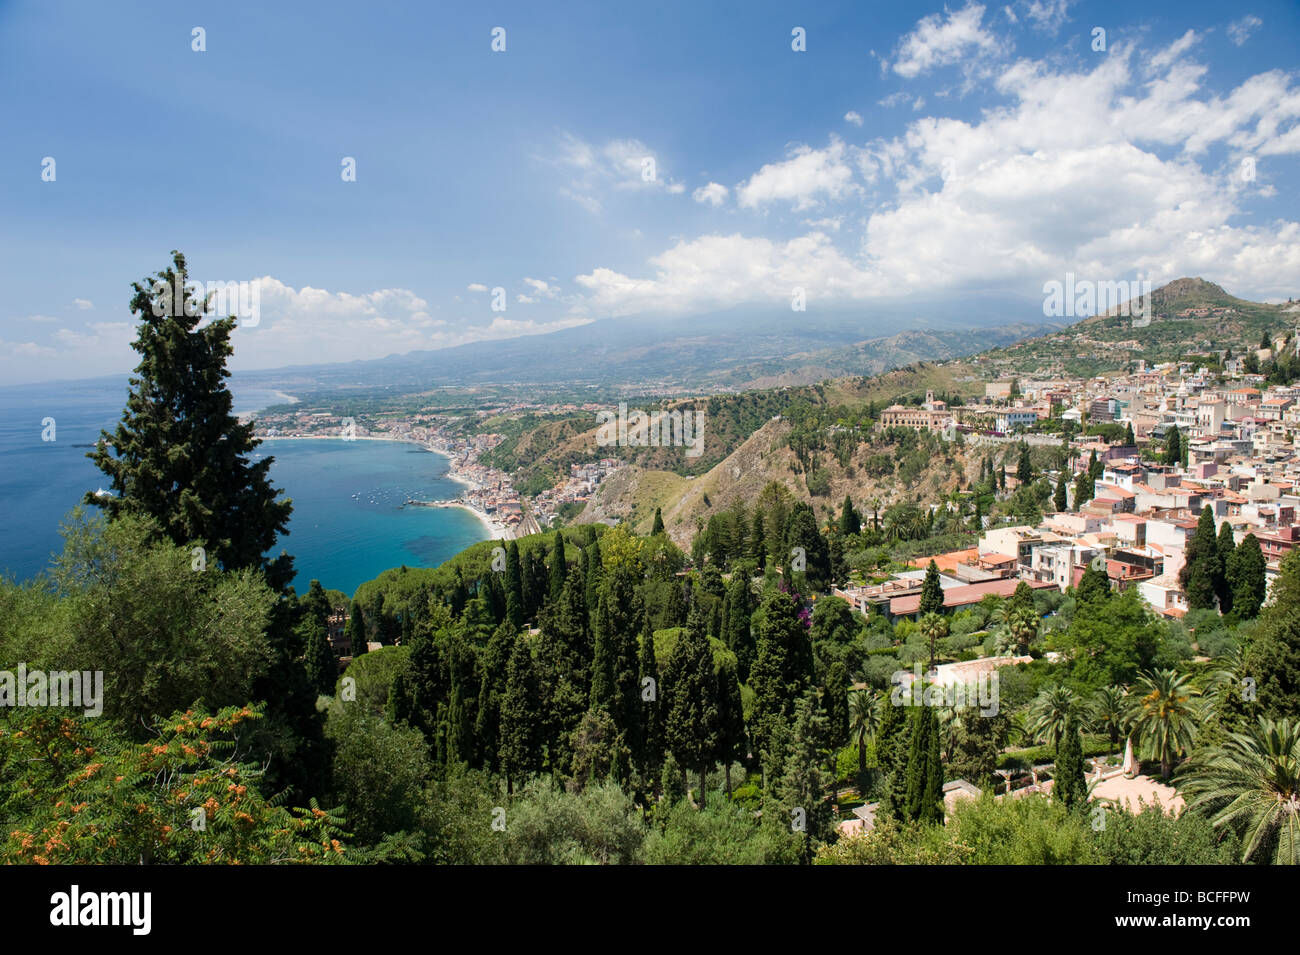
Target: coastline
[[492, 529]]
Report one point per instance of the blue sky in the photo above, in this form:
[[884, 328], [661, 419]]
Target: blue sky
[[933, 153]]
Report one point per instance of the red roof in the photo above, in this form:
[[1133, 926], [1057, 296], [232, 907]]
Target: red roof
[[965, 595]]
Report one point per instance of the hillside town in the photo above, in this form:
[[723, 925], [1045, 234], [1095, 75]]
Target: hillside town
[[1236, 455]]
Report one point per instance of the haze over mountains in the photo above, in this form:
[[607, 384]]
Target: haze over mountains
[[738, 348]]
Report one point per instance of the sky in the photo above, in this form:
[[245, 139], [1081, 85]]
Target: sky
[[632, 161]]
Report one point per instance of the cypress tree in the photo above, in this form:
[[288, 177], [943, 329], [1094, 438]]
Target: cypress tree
[[518, 751], [1246, 575], [757, 543], [850, 521], [658, 527], [357, 630], [514, 587], [1225, 547], [1129, 439], [558, 569], [738, 608], [1060, 500], [931, 591], [1070, 785], [924, 799], [592, 569], [1200, 566], [651, 757], [322, 670], [1024, 467], [1173, 447], [691, 691]]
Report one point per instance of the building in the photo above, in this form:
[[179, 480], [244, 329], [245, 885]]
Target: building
[[932, 415]]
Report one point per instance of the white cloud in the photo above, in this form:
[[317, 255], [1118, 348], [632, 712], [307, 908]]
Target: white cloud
[[805, 179], [1012, 198], [937, 41], [854, 117], [619, 164], [1240, 30], [83, 303], [715, 194], [476, 287]]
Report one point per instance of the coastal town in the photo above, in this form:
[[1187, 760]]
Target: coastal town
[[488, 492], [1233, 450]]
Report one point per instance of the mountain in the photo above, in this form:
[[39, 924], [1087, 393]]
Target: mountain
[[739, 348]]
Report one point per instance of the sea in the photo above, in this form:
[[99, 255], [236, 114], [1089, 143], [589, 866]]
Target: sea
[[348, 523]]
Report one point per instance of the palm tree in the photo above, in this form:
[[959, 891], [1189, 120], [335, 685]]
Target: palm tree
[[1252, 783], [1163, 712], [1049, 712], [1106, 712], [864, 717], [934, 627]]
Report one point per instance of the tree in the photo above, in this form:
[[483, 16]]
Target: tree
[[1250, 783], [783, 667], [934, 627], [651, 756], [179, 455], [931, 591], [1246, 578], [1224, 549], [796, 810], [322, 670], [1071, 785], [558, 570], [1059, 499], [1106, 712], [1130, 440], [864, 715], [1084, 488], [658, 527], [924, 800], [356, 630], [1024, 466], [1201, 564], [850, 522], [737, 609], [1173, 447], [690, 688], [520, 717], [1049, 714], [1163, 712], [514, 587], [803, 534]]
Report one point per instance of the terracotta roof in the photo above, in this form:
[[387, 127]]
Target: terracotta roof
[[964, 595]]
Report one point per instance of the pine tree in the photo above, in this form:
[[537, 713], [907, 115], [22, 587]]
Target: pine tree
[[179, 455], [931, 591], [1060, 501], [1070, 785], [356, 630], [658, 527], [798, 789]]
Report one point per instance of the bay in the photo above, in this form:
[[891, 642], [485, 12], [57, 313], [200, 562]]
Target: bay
[[346, 528]]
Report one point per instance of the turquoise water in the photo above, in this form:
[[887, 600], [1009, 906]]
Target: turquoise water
[[346, 526]]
